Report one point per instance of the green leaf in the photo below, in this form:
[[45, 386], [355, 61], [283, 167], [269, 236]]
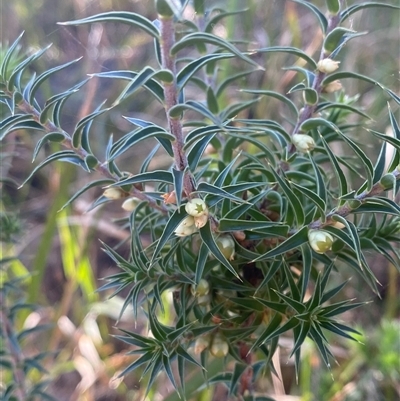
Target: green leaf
[[238, 370], [208, 240], [292, 198], [207, 38], [17, 121], [178, 176], [295, 241], [80, 126], [84, 189], [195, 154], [341, 178], [19, 69], [215, 19], [330, 105], [347, 74], [45, 75], [214, 190], [396, 131], [141, 79], [357, 7], [169, 229], [228, 225], [291, 50], [65, 155], [212, 101], [158, 175], [227, 81], [321, 17], [308, 75], [187, 72], [299, 336], [314, 198], [150, 84], [132, 138], [51, 137], [119, 16], [307, 264], [7, 57], [179, 108], [201, 262], [320, 341], [57, 98], [335, 38]]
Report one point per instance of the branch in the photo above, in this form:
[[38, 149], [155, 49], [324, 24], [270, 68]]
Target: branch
[[167, 40], [82, 153]]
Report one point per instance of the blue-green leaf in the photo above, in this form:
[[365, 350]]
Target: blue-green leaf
[[64, 155], [357, 7], [275, 95], [42, 77], [200, 37], [291, 50], [119, 16], [85, 188], [158, 175], [298, 209], [208, 240], [151, 84], [321, 17], [8, 55], [184, 75], [295, 241]]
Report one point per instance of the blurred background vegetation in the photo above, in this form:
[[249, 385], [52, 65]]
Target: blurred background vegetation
[[63, 251]]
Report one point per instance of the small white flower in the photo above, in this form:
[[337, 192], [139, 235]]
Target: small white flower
[[196, 207], [186, 227], [203, 288], [113, 193], [219, 347], [320, 240], [304, 143], [201, 344], [333, 86], [130, 204], [226, 245], [201, 221], [327, 65]]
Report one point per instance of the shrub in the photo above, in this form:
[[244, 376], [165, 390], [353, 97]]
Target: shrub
[[253, 216]]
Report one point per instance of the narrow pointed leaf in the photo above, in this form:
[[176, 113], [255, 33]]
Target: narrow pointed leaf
[[207, 38], [208, 239], [119, 16]]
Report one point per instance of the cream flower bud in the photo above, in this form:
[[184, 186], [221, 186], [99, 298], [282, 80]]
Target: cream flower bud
[[201, 221], [130, 204], [219, 347], [204, 300], [226, 245], [321, 241], [327, 65], [333, 86], [304, 143], [186, 227], [203, 288], [196, 207], [201, 344], [113, 193]]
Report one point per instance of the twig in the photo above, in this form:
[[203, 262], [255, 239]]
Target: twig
[[167, 40]]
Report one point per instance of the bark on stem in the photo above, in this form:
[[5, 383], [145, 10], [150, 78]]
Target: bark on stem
[[167, 40]]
